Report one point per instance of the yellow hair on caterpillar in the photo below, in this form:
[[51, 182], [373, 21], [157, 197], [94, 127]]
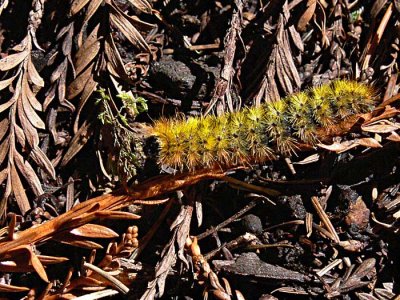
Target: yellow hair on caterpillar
[[257, 134], [301, 117], [254, 131]]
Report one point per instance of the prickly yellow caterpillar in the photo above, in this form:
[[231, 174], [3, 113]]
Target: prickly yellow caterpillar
[[256, 134]]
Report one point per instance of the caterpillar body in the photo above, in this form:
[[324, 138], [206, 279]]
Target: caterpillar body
[[257, 134]]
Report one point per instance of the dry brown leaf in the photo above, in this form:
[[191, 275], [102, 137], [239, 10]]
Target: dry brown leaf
[[62, 89], [386, 114], [12, 60], [86, 54], [61, 68], [23, 45], [92, 8], [4, 149], [282, 75], [76, 241], [6, 82], [296, 38], [32, 116], [377, 7], [67, 43], [43, 162], [115, 65], [86, 282], [394, 137], [4, 124], [139, 24], [94, 231], [26, 258], [3, 175], [37, 265], [383, 126], [287, 59], [27, 171], [369, 142], [77, 5], [116, 215], [70, 194], [347, 145], [3, 5], [307, 15], [90, 87], [142, 5], [77, 86], [64, 30], [78, 141], [51, 260], [30, 95], [8, 288], [128, 29], [308, 160], [34, 75], [21, 139], [90, 39], [18, 190], [6, 105], [50, 94], [21, 266], [29, 131]]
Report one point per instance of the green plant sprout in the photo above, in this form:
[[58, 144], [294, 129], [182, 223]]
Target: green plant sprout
[[126, 155]]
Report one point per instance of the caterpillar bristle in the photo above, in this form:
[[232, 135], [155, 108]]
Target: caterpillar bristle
[[321, 111], [257, 134], [286, 145]]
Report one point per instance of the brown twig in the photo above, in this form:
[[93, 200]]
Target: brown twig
[[85, 212], [325, 219], [227, 221]]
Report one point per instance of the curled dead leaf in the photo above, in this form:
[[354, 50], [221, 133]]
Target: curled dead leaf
[[347, 145], [6, 82], [34, 75], [27, 171], [127, 27], [8, 288], [116, 215], [307, 15], [394, 137], [383, 126], [88, 90], [142, 5], [4, 125], [6, 105], [30, 113], [77, 86], [43, 162], [12, 60], [86, 54], [20, 135], [76, 241], [78, 141], [114, 62], [3, 175], [51, 260], [88, 50], [30, 132], [4, 146], [94, 231], [30, 95], [18, 190], [77, 5], [32, 258]]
